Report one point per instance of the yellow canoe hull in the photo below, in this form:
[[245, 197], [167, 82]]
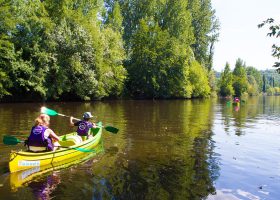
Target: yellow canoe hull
[[23, 160], [19, 178]]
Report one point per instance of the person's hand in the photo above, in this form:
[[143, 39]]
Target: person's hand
[[55, 139], [94, 125]]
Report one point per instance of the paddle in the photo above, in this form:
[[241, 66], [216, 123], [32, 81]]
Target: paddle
[[10, 140], [51, 112]]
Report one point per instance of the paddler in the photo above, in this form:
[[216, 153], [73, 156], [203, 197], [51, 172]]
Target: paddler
[[83, 125], [41, 137]]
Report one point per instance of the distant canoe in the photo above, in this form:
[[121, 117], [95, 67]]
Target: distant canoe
[[236, 103]]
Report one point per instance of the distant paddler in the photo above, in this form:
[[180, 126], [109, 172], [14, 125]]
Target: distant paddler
[[236, 100]]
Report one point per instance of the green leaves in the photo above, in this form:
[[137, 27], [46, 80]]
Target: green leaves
[[159, 35], [199, 80], [75, 50], [274, 31], [225, 82], [240, 83], [205, 26]]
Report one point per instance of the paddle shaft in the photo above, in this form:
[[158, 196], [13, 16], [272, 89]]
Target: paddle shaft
[[68, 116], [54, 113], [10, 140]]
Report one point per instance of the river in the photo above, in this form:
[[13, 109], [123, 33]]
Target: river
[[165, 149]]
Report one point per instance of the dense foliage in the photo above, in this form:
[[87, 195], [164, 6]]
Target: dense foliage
[[59, 50], [247, 80], [225, 82]]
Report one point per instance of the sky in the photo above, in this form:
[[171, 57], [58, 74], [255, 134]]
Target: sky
[[239, 35]]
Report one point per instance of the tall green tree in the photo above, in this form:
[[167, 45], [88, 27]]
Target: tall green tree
[[29, 37], [157, 68], [115, 17], [158, 36], [251, 71], [253, 87], [264, 84], [240, 82], [7, 54], [205, 26], [89, 53], [225, 82]]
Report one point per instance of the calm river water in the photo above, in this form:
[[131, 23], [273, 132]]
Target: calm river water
[[177, 149]]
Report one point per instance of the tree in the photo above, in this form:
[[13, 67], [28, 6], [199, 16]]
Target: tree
[[157, 68], [83, 50], [206, 28], [60, 50], [91, 50], [199, 80], [264, 84], [28, 34], [225, 82], [115, 17], [158, 38], [253, 87], [240, 82], [213, 83], [251, 71], [274, 32]]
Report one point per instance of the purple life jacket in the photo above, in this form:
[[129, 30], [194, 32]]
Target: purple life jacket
[[83, 127], [37, 138]]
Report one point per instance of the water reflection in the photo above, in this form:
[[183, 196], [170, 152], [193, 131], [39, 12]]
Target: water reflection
[[179, 149], [249, 112], [43, 189], [167, 153]]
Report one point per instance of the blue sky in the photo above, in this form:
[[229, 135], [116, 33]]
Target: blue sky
[[239, 35]]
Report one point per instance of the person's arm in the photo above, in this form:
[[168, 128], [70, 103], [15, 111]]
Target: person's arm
[[71, 121], [53, 135], [92, 125]]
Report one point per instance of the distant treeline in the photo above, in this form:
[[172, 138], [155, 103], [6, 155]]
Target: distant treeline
[[247, 80], [94, 49]]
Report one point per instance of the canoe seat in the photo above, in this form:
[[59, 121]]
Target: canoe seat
[[37, 149], [70, 140]]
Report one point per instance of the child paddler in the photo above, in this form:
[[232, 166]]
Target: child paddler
[[41, 137], [83, 125]]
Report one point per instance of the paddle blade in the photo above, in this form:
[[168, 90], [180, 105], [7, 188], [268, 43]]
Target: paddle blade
[[112, 129], [48, 111], [9, 140]]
